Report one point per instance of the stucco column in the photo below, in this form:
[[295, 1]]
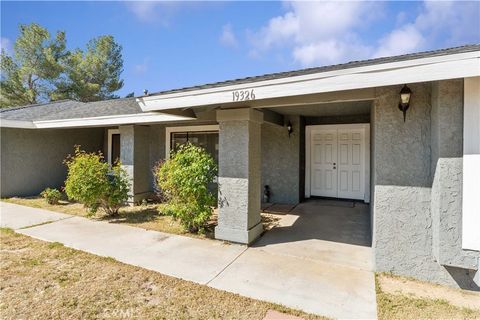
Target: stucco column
[[239, 190], [134, 156]]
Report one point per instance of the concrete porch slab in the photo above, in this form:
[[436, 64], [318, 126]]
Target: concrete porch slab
[[331, 234], [15, 217]]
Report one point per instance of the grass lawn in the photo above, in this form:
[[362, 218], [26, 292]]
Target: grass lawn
[[41, 280], [143, 216]]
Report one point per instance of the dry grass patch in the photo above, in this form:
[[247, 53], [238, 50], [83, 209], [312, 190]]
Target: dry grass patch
[[398, 304], [38, 202], [41, 280]]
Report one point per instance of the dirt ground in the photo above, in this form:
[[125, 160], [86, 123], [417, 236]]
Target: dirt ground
[[414, 288], [402, 298]]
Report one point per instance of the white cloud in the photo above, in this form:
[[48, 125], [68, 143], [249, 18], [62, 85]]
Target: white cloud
[[318, 32], [153, 11], [402, 40], [141, 68], [228, 38], [441, 23], [143, 10], [329, 52], [6, 45]]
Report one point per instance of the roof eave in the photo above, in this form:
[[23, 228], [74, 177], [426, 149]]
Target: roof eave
[[102, 121], [449, 66]]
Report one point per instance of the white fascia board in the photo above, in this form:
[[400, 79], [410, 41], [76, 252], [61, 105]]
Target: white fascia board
[[5, 123], [151, 117], [471, 165], [410, 71]]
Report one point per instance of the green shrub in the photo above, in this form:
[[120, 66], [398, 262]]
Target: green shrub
[[183, 181], [52, 196], [92, 182]]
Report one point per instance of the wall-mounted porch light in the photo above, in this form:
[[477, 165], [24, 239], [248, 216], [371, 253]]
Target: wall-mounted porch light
[[405, 94], [289, 128]]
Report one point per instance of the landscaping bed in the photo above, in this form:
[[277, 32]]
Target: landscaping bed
[[147, 216]]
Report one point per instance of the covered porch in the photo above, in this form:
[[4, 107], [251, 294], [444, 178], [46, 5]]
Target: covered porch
[[280, 152]]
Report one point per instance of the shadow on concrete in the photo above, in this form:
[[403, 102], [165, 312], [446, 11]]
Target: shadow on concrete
[[330, 220]]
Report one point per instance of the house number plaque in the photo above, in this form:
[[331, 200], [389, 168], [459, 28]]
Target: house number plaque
[[243, 95]]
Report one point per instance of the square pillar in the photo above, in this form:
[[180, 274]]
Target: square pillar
[[134, 156], [239, 181]]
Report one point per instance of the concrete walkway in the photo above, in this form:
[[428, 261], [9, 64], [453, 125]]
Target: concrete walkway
[[315, 286]]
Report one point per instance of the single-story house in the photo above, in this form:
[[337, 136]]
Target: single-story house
[[400, 133]]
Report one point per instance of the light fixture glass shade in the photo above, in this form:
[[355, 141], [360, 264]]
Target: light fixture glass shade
[[405, 95], [405, 98]]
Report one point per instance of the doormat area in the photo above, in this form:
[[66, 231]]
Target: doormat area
[[334, 203], [278, 208]]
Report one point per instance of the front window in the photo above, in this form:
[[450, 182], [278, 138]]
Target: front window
[[205, 139]]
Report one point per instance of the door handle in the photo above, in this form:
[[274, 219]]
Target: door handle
[[334, 165]]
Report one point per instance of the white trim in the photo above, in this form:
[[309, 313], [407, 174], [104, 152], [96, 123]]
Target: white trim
[[365, 127], [471, 164], [5, 123], [109, 144], [410, 71], [367, 164], [169, 130], [308, 133], [148, 117]]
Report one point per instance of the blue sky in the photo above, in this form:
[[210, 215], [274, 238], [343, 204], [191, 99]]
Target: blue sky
[[175, 44]]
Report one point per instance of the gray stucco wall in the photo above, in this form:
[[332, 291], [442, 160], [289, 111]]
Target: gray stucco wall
[[157, 149], [134, 155], [446, 170], [416, 222], [239, 178], [281, 161], [32, 160]]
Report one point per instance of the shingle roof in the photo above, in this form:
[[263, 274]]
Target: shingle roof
[[38, 111], [69, 109], [352, 64], [98, 108]]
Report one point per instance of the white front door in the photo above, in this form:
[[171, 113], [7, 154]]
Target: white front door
[[324, 161], [351, 163], [337, 161]]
